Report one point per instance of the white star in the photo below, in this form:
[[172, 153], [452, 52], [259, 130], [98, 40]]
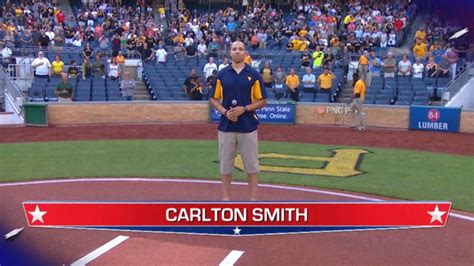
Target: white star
[[37, 215], [237, 231], [436, 215]]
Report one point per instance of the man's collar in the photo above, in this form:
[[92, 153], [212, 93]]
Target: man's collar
[[246, 68]]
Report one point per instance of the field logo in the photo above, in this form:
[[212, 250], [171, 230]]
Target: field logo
[[342, 163], [434, 115]]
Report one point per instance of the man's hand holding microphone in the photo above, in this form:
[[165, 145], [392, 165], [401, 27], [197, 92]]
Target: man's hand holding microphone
[[235, 111]]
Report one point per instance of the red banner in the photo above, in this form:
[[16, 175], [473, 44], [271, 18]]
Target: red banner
[[432, 214]]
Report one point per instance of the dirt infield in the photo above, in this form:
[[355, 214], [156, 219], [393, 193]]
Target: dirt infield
[[443, 246], [448, 246], [403, 139]]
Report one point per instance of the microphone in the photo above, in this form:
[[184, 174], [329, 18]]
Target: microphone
[[234, 104]]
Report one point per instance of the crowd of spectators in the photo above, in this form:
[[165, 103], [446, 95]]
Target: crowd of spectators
[[324, 34], [121, 28]]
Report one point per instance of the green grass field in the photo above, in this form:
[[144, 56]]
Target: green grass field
[[389, 172]]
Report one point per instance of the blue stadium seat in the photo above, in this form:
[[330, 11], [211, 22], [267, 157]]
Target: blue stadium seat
[[369, 99], [404, 100], [50, 96], [382, 99], [307, 97], [36, 94], [386, 93]]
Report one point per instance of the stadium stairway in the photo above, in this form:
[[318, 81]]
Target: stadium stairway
[[65, 6], [346, 94], [141, 93]]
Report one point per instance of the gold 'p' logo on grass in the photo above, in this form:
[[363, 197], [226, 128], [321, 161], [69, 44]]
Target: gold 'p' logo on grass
[[342, 163]]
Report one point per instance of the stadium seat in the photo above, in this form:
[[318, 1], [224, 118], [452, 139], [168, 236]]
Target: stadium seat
[[382, 99], [36, 94]]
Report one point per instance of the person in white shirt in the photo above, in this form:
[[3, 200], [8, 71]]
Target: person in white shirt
[[202, 49], [161, 55], [209, 67], [383, 40], [50, 35], [392, 39], [114, 70], [404, 67], [309, 79], [6, 55], [77, 41], [42, 66], [188, 40], [418, 69], [225, 63]]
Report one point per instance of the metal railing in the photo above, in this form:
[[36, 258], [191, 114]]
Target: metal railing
[[454, 86], [32, 51], [11, 91], [22, 74]]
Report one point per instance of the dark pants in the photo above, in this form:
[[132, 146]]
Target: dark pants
[[294, 95]]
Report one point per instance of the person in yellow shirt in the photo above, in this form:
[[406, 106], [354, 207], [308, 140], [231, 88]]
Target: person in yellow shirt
[[303, 45], [18, 11], [303, 33], [292, 83], [162, 12], [364, 67], [178, 39], [296, 44], [420, 35], [357, 99], [325, 80], [248, 60], [348, 19], [57, 66], [120, 62], [335, 42], [419, 49]]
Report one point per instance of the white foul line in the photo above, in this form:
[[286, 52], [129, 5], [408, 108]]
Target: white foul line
[[195, 181], [100, 251], [231, 258]]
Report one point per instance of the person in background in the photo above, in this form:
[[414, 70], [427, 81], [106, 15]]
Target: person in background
[[42, 66], [325, 81], [418, 69], [98, 67], [127, 85], [64, 89], [404, 67], [193, 87], [209, 68], [114, 70], [309, 81], [57, 66], [224, 63], [293, 83], [211, 80], [389, 66], [364, 67], [161, 55], [375, 65], [357, 101], [73, 71], [86, 69], [267, 75]]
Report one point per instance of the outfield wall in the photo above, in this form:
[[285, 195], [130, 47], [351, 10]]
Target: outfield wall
[[185, 112]]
